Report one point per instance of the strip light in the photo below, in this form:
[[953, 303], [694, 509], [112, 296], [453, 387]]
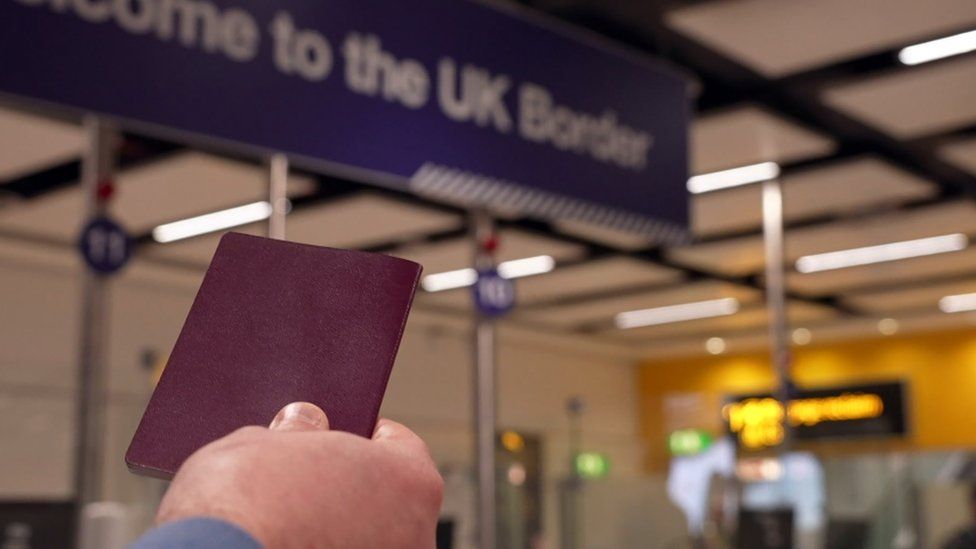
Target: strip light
[[215, 221], [516, 268], [881, 253], [528, 266], [735, 177], [677, 313], [449, 280], [958, 303], [938, 49]]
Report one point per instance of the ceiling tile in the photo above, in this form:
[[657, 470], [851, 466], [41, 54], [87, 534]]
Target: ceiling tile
[[750, 134], [843, 187], [354, 222], [919, 322], [748, 318], [29, 142], [601, 275], [694, 346], [951, 217], [962, 153], [778, 38], [622, 240], [367, 220], [735, 257], [514, 244], [895, 272], [453, 300], [588, 277], [912, 102], [835, 329], [744, 255], [605, 309], [175, 187], [594, 277], [913, 297]]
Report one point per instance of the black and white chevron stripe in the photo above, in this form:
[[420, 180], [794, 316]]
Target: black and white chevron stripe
[[472, 190]]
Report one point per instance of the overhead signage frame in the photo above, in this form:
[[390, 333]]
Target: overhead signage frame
[[464, 100]]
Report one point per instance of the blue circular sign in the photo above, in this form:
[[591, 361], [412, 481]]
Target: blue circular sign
[[105, 245], [493, 294]]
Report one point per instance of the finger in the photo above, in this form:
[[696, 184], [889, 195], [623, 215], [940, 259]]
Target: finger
[[391, 432], [300, 416]]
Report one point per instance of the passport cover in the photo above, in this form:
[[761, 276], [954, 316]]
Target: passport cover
[[276, 322]]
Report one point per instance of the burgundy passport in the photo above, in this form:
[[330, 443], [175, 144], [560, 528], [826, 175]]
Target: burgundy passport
[[276, 322]]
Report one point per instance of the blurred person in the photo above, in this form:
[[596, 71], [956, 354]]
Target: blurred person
[[296, 484], [966, 538]]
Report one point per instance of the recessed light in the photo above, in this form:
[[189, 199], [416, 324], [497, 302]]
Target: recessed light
[[887, 326], [715, 345], [802, 336]]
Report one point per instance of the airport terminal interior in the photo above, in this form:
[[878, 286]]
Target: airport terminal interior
[[639, 384]]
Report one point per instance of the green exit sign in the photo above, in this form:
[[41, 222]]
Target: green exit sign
[[592, 465], [688, 442]]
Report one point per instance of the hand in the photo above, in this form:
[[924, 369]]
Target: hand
[[299, 485]]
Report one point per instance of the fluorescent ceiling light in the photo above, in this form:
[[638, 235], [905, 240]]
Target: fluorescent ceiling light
[[208, 223], [734, 177], [881, 253], [938, 49], [516, 268], [677, 313], [958, 303], [529, 266], [449, 280]]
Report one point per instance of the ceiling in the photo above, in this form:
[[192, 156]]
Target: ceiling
[[871, 151], [777, 38]]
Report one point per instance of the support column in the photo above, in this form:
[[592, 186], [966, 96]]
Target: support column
[[98, 165], [571, 489], [483, 229], [772, 197], [277, 195]]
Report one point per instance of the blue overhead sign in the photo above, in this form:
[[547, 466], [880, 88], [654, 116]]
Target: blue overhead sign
[[104, 245], [494, 295], [459, 98]]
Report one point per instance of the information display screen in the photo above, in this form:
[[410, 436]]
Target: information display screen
[[855, 411]]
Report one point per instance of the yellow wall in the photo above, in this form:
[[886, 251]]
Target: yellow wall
[[940, 370]]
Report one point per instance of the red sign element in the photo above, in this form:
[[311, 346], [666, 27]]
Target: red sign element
[[105, 190]]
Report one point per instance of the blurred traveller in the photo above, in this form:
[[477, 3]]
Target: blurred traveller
[[966, 538], [297, 484]]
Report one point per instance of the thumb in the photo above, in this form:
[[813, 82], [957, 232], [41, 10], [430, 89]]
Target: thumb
[[300, 416]]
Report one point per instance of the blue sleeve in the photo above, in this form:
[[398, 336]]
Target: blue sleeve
[[196, 533]]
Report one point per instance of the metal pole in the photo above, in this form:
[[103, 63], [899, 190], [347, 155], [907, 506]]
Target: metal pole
[[97, 166], [484, 390], [772, 197], [277, 195], [572, 531]]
